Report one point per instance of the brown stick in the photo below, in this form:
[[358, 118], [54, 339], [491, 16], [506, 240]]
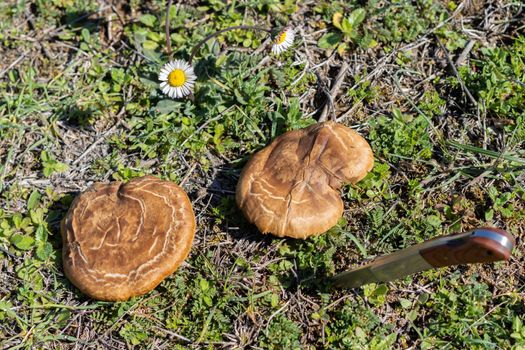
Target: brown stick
[[333, 92], [465, 52], [167, 26], [456, 73]]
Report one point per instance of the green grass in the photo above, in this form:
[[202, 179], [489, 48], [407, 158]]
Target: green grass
[[74, 74]]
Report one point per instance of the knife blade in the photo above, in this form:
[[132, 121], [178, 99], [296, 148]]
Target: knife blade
[[482, 245]]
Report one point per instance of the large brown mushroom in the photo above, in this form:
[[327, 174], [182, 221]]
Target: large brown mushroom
[[291, 187], [121, 240]]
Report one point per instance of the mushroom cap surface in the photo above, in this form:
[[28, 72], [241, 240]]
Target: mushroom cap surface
[[291, 187], [121, 240]]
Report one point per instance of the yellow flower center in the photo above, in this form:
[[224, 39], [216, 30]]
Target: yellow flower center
[[281, 38], [177, 78]]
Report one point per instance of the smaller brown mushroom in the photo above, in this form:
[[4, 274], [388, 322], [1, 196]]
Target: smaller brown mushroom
[[291, 187], [121, 240]]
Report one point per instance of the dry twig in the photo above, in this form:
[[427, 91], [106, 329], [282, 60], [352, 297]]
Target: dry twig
[[333, 92]]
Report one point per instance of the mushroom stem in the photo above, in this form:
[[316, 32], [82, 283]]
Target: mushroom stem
[[200, 43]]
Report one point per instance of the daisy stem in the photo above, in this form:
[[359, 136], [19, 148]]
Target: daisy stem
[[167, 26], [200, 43]]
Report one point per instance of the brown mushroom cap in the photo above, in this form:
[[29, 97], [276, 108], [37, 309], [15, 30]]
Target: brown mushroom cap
[[121, 240], [291, 187]]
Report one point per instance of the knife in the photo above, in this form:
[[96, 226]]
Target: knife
[[482, 245]]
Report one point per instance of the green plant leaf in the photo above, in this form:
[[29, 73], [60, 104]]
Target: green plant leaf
[[17, 220], [33, 200], [44, 156], [356, 17], [43, 251], [329, 40], [6, 310], [41, 233], [85, 35], [148, 20], [405, 303], [382, 289], [150, 45], [240, 97], [149, 83], [22, 242], [204, 285], [60, 167], [118, 75], [347, 27], [168, 106]]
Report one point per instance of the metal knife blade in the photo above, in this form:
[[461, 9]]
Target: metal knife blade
[[486, 244]]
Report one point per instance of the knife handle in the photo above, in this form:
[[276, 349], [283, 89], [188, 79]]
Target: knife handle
[[483, 245]]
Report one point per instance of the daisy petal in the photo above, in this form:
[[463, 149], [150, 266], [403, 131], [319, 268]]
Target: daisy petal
[[181, 82]]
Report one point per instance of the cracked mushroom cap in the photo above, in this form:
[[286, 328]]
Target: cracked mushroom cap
[[291, 187], [121, 240]]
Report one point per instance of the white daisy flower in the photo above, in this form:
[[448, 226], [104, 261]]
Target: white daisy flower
[[177, 79], [283, 41]]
